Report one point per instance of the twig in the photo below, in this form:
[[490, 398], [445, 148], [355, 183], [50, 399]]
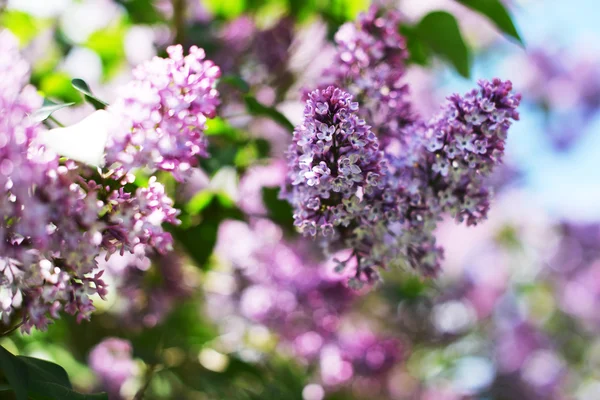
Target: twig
[[179, 21], [11, 330]]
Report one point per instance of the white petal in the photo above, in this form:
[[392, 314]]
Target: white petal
[[84, 141]]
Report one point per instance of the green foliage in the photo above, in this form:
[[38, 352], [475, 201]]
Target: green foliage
[[108, 43], [202, 226], [258, 109], [438, 33], [32, 378], [279, 211], [24, 26], [141, 11], [57, 85], [497, 13], [48, 107], [81, 86]]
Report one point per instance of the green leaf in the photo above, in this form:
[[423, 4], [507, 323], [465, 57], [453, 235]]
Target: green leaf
[[16, 373], [237, 82], [497, 13], [418, 52], [48, 107], [141, 11], [58, 85], [83, 88], [32, 378], [46, 371], [108, 43], [440, 32], [258, 109], [199, 202], [205, 227], [280, 211]]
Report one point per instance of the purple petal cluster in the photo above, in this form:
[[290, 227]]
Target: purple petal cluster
[[163, 113], [370, 63], [58, 216], [465, 142], [373, 177], [137, 218]]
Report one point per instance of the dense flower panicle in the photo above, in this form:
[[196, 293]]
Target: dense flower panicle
[[385, 206], [163, 113], [337, 182], [57, 219], [112, 362], [370, 64], [465, 142], [334, 161]]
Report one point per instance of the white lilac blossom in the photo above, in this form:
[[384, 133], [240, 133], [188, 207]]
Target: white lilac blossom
[[162, 113]]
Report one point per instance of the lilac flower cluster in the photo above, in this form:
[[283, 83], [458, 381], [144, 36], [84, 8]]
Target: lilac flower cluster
[[59, 215], [163, 113], [465, 141], [380, 186], [370, 64], [303, 301]]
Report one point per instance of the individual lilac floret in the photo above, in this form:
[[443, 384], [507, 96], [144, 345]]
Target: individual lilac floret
[[464, 143], [112, 362], [163, 113], [370, 63]]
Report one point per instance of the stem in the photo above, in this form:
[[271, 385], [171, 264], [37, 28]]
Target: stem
[[149, 375], [179, 20], [51, 118], [11, 330]]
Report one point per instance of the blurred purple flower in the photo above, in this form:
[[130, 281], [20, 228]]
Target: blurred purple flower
[[112, 362]]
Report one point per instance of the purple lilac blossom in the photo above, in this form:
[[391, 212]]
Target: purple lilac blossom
[[112, 362], [465, 142], [336, 178], [163, 113], [385, 206], [59, 215], [370, 64]]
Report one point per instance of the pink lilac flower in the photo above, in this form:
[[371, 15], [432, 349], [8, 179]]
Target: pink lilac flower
[[112, 362], [58, 215], [163, 113]]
